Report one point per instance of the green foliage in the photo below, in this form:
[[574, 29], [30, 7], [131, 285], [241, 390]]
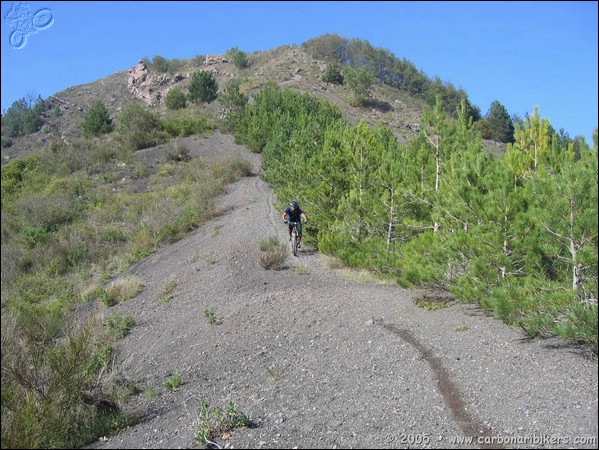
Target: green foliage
[[359, 81], [214, 422], [499, 123], [203, 87], [483, 127], [441, 212], [238, 57], [210, 314], [388, 70], [333, 74], [6, 142], [233, 103], [183, 124], [137, 127], [97, 121], [159, 64], [174, 382], [22, 118], [48, 390], [175, 99], [120, 324]]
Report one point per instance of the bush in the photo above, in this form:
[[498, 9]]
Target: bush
[[97, 121], [175, 99], [203, 87], [274, 253], [333, 75], [160, 64], [138, 127], [233, 102], [181, 125], [239, 58]]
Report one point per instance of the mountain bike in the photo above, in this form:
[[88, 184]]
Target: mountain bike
[[294, 236]]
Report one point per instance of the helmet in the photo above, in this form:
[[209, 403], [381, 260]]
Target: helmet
[[293, 203]]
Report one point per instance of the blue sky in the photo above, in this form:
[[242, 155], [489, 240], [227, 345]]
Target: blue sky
[[523, 54]]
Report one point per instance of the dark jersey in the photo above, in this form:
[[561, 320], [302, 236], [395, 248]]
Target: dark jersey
[[295, 215]]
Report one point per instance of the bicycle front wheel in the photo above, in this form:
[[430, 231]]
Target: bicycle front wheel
[[294, 243]]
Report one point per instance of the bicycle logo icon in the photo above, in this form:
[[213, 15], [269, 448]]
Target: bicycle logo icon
[[25, 23]]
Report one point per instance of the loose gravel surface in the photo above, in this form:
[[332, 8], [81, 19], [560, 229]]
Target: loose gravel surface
[[318, 360]]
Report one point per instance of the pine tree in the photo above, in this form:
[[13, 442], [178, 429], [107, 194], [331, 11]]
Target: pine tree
[[97, 121], [203, 87], [500, 123]]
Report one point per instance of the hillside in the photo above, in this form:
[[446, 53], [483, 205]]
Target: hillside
[[287, 66], [194, 338]]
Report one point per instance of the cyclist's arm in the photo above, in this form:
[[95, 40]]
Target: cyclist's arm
[[284, 216], [304, 217]]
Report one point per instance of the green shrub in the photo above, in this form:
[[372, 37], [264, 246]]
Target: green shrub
[[97, 121], [159, 64], [333, 74], [175, 99], [203, 87], [238, 58], [137, 127], [182, 125]]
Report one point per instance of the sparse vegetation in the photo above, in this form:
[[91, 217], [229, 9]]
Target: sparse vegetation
[[216, 230], [120, 324], [166, 294], [214, 422], [65, 235], [238, 58], [174, 381], [275, 371], [122, 290], [210, 314], [432, 305], [274, 253]]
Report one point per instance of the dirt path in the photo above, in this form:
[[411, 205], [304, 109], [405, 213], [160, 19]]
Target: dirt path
[[318, 360]]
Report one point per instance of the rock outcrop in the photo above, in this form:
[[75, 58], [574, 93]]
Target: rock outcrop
[[148, 87]]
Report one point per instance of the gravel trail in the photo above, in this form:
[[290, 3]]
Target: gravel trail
[[318, 360]]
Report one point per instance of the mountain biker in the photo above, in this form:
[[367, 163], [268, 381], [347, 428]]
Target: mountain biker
[[293, 213]]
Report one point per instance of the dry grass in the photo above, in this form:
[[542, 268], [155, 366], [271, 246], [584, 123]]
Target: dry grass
[[361, 275]]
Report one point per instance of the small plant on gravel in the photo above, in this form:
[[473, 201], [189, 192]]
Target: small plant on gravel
[[218, 421], [462, 328], [194, 257], [166, 295], [150, 392], [211, 315], [300, 270], [432, 305], [122, 290], [273, 254], [276, 371], [173, 382], [121, 325], [216, 230]]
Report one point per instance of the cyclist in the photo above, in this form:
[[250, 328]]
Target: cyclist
[[293, 213]]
